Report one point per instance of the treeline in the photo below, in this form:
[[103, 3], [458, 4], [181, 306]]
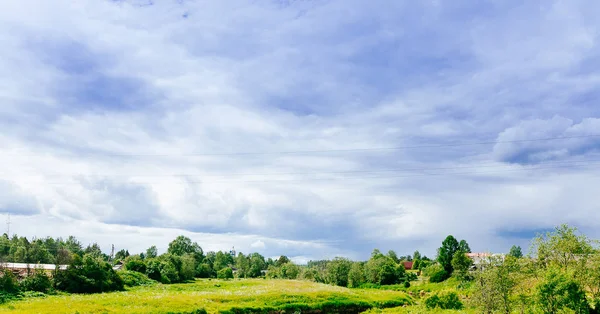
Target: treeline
[[90, 270]]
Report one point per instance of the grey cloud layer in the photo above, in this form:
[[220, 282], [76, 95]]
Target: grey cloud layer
[[112, 109]]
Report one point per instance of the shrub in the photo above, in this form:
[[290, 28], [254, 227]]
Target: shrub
[[188, 267], [88, 275], [289, 270], [37, 281], [133, 278], [383, 270], [135, 263], [204, 271], [447, 301], [168, 273], [225, 273], [8, 282], [559, 291], [436, 273]]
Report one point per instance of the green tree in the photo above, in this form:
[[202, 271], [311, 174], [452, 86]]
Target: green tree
[[464, 246], [121, 255], [289, 271], [242, 263], [382, 270], [37, 281], [183, 245], [282, 260], [8, 282], [495, 284], [135, 263], [257, 265], [461, 264], [222, 260], [391, 254], [564, 248], [89, 274], [94, 251], [416, 255], [337, 271], [225, 273], [188, 267], [356, 276], [515, 251], [152, 252], [559, 291], [446, 252], [204, 270]]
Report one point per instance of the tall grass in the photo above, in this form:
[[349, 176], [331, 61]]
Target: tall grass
[[216, 296]]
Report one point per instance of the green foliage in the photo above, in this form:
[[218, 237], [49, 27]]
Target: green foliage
[[134, 279], [168, 272], [561, 248], [444, 301], [204, 270], [391, 254], [446, 252], [183, 245], [88, 275], [37, 281], [222, 260], [436, 273], [225, 273], [495, 284], [122, 254], [559, 291], [282, 260], [464, 246], [8, 282], [188, 267], [416, 255], [135, 263], [337, 271], [461, 264], [515, 251], [152, 252], [382, 270], [289, 270], [310, 274], [356, 276]]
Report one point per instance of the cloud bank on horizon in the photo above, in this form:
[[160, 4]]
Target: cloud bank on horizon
[[264, 125]]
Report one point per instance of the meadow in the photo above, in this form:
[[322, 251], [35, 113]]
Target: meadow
[[218, 296]]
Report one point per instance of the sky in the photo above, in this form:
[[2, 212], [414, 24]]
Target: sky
[[311, 129]]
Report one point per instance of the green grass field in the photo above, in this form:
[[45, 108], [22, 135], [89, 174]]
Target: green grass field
[[215, 296]]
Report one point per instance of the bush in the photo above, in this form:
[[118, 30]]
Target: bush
[[133, 278], [8, 282], [447, 301], [163, 269], [436, 273], [37, 281], [135, 263], [90, 275], [383, 270], [225, 273], [560, 291], [204, 271]]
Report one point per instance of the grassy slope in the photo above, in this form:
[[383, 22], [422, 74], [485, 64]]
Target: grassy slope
[[214, 296]]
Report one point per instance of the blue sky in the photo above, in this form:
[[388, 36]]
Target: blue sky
[[245, 123]]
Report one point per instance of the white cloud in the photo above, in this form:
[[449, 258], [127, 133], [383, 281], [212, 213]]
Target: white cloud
[[121, 122], [259, 245]]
